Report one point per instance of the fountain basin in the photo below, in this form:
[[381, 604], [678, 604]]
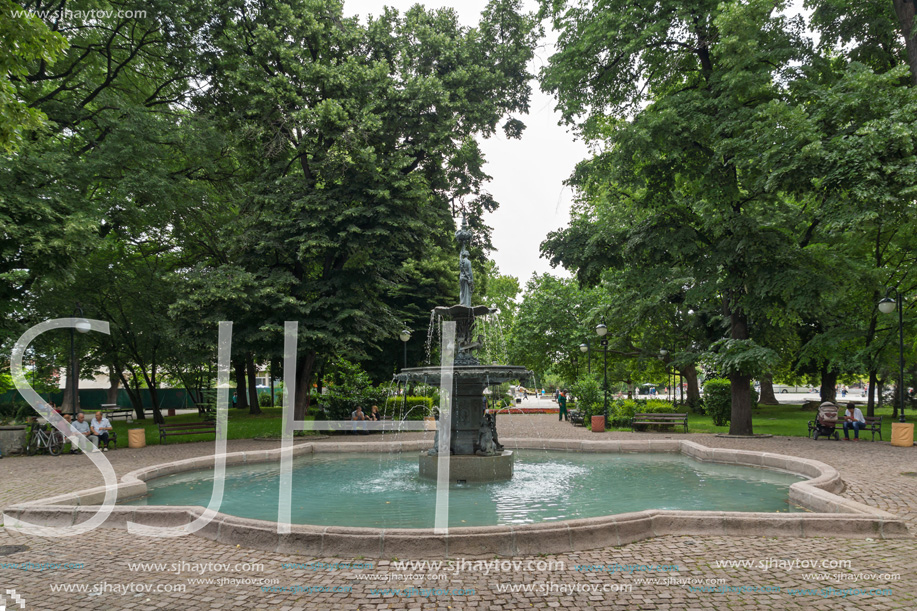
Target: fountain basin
[[829, 514]]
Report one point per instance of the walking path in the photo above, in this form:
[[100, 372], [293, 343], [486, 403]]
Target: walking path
[[849, 573]]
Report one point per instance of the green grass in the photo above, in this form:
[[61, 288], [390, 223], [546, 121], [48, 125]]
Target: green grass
[[785, 420], [242, 425]]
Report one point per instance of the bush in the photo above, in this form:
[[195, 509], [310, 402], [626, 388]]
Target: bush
[[590, 399], [349, 387], [410, 408], [264, 399], [718, 400], [15, 412]]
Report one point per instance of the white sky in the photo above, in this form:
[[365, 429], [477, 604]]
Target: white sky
[[528, 174]]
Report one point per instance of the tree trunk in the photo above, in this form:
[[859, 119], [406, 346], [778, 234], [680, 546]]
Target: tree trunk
[[740, 421], [113, 389], [304, 368], [154, 398], [828, 384], [67, 404], [689, 374], [767, 391], [871, 394], [254, 406], [880, 390], [133, 394], [241, 395], [905, 12]]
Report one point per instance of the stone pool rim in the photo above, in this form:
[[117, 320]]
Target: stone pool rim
[[831, 514]]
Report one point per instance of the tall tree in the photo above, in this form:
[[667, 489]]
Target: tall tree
[[674, 180], [358, 143]]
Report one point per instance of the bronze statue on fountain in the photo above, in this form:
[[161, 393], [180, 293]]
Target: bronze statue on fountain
[[476, 451]]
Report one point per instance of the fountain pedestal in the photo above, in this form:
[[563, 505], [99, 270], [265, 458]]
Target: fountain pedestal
[[470, 468]]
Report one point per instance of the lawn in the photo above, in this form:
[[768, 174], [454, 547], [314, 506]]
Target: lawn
[[785, 420], [242, 425]]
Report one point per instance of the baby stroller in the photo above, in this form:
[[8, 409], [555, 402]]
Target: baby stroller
[[826, 421]]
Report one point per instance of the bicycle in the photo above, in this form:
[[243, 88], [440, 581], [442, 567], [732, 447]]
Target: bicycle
[[42, 439]]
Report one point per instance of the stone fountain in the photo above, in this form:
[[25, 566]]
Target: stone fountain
[[476, 453]]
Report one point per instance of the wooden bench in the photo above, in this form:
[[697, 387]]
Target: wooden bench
[[660, 419], [873, 425], [113, 411], [191, 428], [576, 417]]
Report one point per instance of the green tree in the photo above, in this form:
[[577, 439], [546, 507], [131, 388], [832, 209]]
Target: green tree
[[25, 41], [674, 192], [356, 143], [552, 321]]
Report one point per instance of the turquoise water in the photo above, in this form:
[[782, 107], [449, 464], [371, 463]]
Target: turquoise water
[[384, 490]]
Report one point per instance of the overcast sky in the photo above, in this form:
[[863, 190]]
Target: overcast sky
[[528, 174]]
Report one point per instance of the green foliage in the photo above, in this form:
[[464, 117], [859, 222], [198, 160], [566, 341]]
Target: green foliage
[[742, 357], [348, 387], [408, 408], [26, 41], [264, 399], [589, 396], [16, 412], [555, 317]]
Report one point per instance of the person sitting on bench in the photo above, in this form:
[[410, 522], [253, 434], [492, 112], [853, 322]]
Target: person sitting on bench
[[100, 427], [358, 416], [82, 427], [853, 419]]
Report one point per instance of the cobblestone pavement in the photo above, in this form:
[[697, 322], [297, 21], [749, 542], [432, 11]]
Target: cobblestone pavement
[[665, 573]]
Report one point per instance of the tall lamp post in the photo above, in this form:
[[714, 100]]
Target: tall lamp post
[[601, 330], [588, 350], [83, 327], [887, 306], [405, 336]]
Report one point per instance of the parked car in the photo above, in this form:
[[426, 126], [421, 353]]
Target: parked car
[[785, 388]]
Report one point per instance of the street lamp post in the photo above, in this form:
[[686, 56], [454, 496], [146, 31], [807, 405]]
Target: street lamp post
[[83, 327], [601, 330], [887, 306], [588, 350], [405, 336]]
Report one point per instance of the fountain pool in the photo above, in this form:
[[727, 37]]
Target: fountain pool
[[385, 491]]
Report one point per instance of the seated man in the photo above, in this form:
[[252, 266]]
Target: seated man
[[853, 419], [358, 416], [100, 427], [82, 427]]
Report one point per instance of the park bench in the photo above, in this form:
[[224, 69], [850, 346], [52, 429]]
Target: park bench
[[873, 425], [659, 420], [113, 411], [191, 428], [576, 417]]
